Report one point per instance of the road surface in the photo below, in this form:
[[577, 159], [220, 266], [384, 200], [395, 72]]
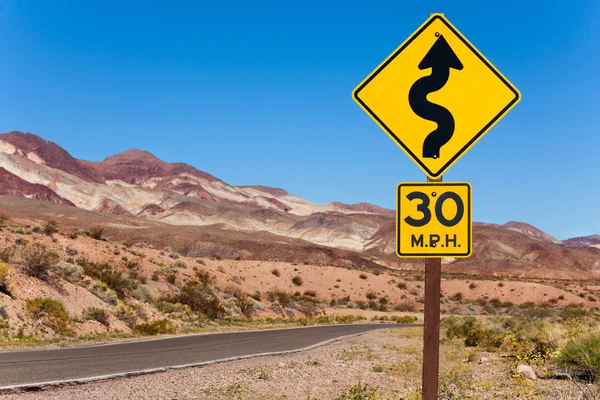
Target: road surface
[[28, 369]]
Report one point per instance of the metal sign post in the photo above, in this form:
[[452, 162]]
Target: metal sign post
[[431, 330]]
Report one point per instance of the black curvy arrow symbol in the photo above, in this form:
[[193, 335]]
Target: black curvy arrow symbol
[[440, 58]]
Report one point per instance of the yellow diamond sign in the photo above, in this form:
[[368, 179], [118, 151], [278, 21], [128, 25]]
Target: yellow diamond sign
[[436, 95]]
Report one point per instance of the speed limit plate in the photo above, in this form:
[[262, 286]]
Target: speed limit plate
[[433, 220]]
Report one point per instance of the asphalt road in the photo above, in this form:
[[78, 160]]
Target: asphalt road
[[32, 368]]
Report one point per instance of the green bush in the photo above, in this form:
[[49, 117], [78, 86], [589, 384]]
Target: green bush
[[103, 292], [405, 306], [406, 319], [154, 328], [359, 391], [205, 277], [52, 313], [96, 232], [5, 279], [96, 314], [371, 296], [171, 278], [69, 272], [200, 298], [143, 294], [458, 327], [297, 280], [128, 313], [246, 306], [582, 357], [50, 228], [457, 296], [37, 260], [284, 299], [6, 254], [114, 279]]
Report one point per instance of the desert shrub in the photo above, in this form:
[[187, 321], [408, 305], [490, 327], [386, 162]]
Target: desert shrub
[[204, 277], [5, 279], [401, 285], [457, 296], [180, 264], [487, 339], [297, 280], [171, 278], [128, 313], [472, 285], [130, 264], [143, 294], [495, 302], [51, 312], [256, 295], [69, 272], [73, 235], [310, 293], [114, 279], [359, 391], [7, 254], [482, 302], [363, 276], [71, 251], [169, 308], [361, 304], [96, 232], [405, 306], [582, 357], [37, 260], [174, 256], [3, 219], [50, 227], [405, 319], [308, 306], [200, 298], [246, 306], [500, 284], [201, 262], [458, 327], [154, 327], [96, 314], [103, 292], [155, 276], [284, 299], [276, 272], [371, 296]]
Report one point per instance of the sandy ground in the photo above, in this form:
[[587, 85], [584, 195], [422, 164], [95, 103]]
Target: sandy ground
[[251, 276], [388, 360]]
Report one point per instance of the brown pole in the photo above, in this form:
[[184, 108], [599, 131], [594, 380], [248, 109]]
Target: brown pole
[[431, 331]]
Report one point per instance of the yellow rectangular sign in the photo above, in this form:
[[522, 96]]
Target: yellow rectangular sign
[[433, 220]]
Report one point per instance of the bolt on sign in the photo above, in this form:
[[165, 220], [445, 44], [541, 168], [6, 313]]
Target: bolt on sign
[[433, 219], [436, 95]]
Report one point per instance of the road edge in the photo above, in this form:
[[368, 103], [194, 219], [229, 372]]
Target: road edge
[[39, 386]]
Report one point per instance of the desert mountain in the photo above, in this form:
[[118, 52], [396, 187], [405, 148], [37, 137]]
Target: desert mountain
[[584, 241], [200, 214]]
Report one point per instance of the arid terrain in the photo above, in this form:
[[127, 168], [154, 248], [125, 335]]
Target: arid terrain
[[133, 246]]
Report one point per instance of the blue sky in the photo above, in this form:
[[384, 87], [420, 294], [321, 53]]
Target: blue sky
[[259, 92]]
